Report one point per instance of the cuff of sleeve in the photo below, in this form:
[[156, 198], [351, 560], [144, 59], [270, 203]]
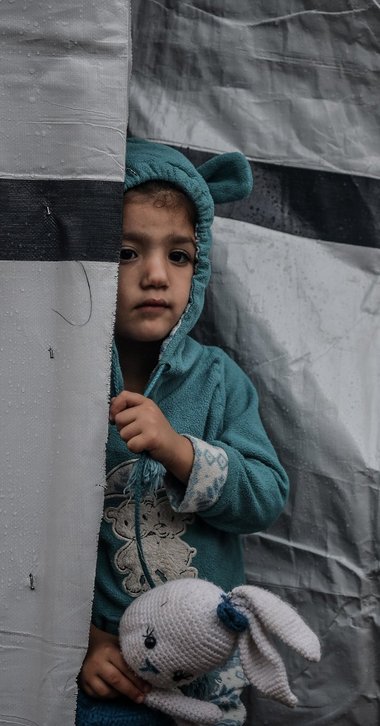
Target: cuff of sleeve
[[206, 481]]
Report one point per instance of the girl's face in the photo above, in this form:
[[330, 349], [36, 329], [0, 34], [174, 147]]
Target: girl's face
[[156, 269]]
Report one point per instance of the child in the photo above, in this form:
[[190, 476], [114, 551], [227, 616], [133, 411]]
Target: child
[[189, 466]]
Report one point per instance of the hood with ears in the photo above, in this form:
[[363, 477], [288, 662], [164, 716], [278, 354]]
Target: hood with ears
[[223, 178]]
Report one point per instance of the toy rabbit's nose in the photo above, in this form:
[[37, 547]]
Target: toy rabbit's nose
[[181, 676], [149, 667]]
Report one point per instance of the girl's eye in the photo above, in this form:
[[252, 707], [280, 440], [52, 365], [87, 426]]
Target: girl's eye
[[180, 257], [127, 254]]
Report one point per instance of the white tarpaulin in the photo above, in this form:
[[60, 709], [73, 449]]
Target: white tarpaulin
[[64, 73], [64, 79], [54, 379]]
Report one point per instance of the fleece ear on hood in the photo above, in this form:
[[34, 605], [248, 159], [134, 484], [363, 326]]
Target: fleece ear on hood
[[223, 178], [228, 177]]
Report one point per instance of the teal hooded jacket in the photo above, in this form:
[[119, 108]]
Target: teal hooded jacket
[[152, 530]]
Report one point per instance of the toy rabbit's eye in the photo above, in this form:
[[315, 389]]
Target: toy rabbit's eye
[[150, 641]]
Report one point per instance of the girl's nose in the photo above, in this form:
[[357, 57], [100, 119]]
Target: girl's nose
[[155, 272]]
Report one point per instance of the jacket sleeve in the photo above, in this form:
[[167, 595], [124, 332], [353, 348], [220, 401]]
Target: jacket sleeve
[[237, 483]]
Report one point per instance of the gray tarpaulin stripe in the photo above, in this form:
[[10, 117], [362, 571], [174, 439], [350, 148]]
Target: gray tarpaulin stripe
[[291, 83], [308, 203], [60, 220]]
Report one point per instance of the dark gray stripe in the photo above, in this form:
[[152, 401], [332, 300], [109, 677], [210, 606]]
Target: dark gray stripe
[[60, 220], [307, 203]]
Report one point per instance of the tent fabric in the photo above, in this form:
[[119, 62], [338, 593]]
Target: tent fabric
[[308, 203], [64, 72], [294, 295], [302, 318], [290, 83], [54, 374], [54, 219], [297, 92], [64, 89]]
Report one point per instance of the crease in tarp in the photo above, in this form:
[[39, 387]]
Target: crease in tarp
[[371, 300], [38, 638], [275, 19], [290, 16], [289, 544]]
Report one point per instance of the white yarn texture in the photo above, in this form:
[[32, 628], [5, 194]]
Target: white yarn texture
[[173, 634]]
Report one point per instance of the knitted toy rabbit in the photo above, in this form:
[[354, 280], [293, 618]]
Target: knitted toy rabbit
[[185, 628]]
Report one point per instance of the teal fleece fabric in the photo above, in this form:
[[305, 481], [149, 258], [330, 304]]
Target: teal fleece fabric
[[237, 484]]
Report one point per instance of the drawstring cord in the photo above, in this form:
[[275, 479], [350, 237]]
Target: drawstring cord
[[146, 474], [138, 468]]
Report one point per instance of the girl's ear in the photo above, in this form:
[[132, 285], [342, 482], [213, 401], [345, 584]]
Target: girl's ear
[[228, 177]]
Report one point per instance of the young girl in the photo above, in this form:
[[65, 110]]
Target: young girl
[[189, 465]]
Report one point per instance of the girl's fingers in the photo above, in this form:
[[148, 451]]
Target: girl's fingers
[[101, 689], [129, 432], [125, 417], [125, 399], [136, 444], [122, 683], [111, 683], [142, 685]]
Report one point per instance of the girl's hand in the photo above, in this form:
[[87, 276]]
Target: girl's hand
[[105, 674], [144, 427]]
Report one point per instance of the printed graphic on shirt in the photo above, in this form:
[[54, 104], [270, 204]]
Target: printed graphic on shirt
[[167, 556]]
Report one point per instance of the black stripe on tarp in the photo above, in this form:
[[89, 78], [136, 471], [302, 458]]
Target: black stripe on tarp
[[307, 203], [60, 219]]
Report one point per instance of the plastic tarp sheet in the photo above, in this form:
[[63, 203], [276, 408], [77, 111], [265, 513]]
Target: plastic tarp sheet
[[63, 116], [64, 74], [292, 86], [54, 382], [293, 83], [302, 318]]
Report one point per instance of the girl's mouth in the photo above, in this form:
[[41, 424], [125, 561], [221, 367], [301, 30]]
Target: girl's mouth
[[153, 303]]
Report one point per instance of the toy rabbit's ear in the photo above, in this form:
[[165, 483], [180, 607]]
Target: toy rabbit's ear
[[277, 617], [228, 177], [264, 667], [261, 662]]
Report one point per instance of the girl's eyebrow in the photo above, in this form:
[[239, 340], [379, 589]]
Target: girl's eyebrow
[[181, 240], [135, 236], [176, 239]]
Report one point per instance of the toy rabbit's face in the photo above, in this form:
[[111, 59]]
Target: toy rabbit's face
[[147, 652], [172, 635]]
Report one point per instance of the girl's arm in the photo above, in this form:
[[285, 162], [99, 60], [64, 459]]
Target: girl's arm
[[237, 483]]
